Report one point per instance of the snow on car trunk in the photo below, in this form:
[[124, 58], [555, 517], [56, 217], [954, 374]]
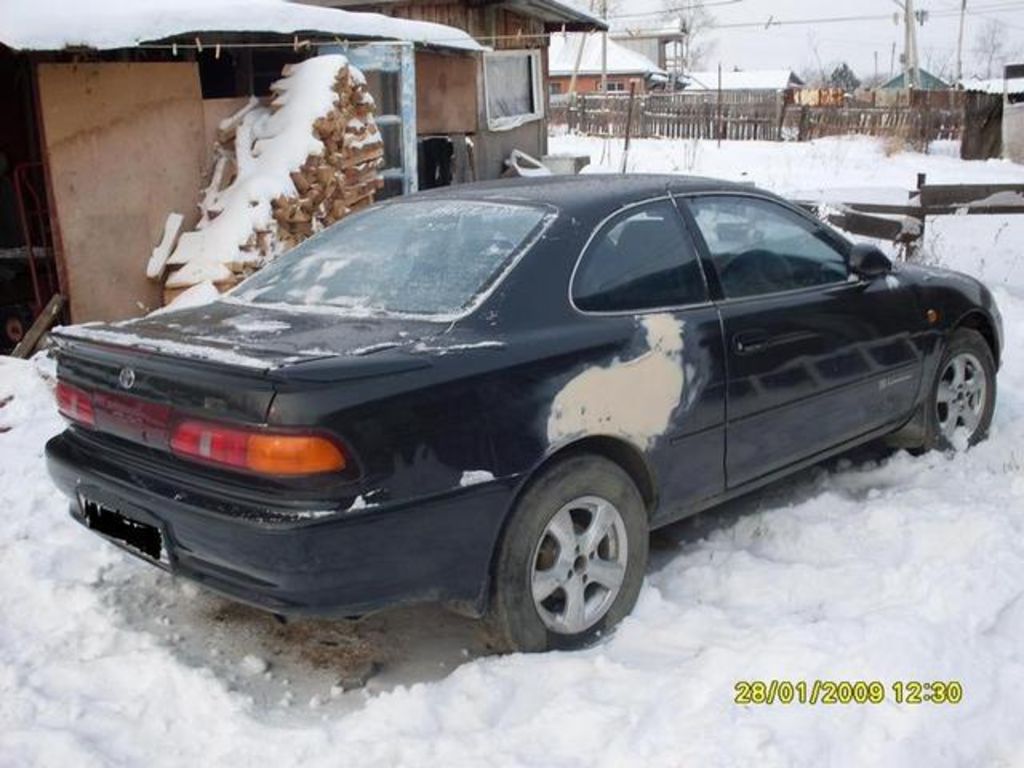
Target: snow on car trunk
[[254, 337]]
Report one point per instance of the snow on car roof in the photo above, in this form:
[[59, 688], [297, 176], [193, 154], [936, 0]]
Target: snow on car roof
[[43, 25]]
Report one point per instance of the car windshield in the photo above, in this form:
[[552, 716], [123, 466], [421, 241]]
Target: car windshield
[[430, 257]]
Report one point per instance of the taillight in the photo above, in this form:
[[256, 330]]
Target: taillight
[[75, 404], [268, 453]]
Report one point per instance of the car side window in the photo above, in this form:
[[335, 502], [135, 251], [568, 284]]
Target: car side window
[[760, 247], [642, 259]]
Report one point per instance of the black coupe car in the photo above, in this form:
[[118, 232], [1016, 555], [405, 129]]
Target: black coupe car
[[488, 395]]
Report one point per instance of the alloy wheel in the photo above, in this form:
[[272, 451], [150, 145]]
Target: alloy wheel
[[579, 565], [961, 396]]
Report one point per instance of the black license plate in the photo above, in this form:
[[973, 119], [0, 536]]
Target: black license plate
[[139, 537]]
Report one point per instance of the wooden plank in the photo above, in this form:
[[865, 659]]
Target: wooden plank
[[42, 324], [933, 195]]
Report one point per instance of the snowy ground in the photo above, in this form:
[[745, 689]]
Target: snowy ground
[[793, 168], [875, 567], [840, 169]]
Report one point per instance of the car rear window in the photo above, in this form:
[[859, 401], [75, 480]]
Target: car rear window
[[430, 257]]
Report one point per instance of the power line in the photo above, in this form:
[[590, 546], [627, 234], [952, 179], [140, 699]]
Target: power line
[[669, 11], [771, 22]]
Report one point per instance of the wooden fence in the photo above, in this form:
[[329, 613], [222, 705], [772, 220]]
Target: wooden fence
[[682, 116], [913, 125], [904, 224]]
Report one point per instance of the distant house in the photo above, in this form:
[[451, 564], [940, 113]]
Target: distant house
[[622, 65], [743, 86], [662, 44], [926, 82], [770, 80]]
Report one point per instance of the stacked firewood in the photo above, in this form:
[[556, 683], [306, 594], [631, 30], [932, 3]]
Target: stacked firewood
[[346, 176], [328, 185]]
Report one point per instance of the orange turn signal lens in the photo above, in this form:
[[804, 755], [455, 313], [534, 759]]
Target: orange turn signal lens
[[293, 455], [263, 452]]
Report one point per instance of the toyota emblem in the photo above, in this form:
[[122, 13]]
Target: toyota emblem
[[126, 378]]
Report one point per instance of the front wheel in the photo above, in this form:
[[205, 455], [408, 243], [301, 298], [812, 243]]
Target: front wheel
[[572, 558], [963, 395]]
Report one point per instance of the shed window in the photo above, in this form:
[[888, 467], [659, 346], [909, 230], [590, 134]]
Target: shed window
[[512, 80]]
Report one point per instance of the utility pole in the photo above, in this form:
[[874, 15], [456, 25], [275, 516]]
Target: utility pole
[[576, 66], [912, 15], [909, 75], [960, 45], [911, 71], [604, 48]]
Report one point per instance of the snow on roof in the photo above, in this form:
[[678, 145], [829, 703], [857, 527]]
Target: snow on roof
[[748, 80], [44, 25], [995, 85], [564, 49]]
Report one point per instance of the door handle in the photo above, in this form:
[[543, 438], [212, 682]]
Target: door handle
[[750, 342]]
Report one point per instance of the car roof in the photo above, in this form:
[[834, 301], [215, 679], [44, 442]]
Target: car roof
[[587, 191]]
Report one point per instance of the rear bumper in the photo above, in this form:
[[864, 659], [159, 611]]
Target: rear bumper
[[293, 562]]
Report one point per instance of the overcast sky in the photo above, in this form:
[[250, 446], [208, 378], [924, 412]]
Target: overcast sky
[[854, 41]]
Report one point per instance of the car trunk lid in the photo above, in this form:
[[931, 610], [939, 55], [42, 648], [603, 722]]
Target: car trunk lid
[[221, 361]]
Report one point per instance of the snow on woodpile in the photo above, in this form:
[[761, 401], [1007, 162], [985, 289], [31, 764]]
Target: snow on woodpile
[[107, 24], [281, 174]]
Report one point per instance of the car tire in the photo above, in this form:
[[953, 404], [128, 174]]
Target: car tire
[[572, 558], [962, 398]]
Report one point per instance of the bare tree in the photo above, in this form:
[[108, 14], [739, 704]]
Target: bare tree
[[940, 62], [601, 7], [696, 24], [815, 75], [992, 49]]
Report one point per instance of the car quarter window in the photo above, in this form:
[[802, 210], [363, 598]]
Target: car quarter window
[[758, 246], [642, 259]]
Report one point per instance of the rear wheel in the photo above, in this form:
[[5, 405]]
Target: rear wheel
[[963, 395], [572, 559]]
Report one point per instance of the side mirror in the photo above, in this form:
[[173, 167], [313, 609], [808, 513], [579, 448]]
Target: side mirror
[[868, 261]]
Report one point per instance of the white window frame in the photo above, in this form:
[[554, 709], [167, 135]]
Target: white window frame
[[514, 121]]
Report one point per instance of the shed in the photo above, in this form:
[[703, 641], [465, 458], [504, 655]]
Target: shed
[[113, 114]]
